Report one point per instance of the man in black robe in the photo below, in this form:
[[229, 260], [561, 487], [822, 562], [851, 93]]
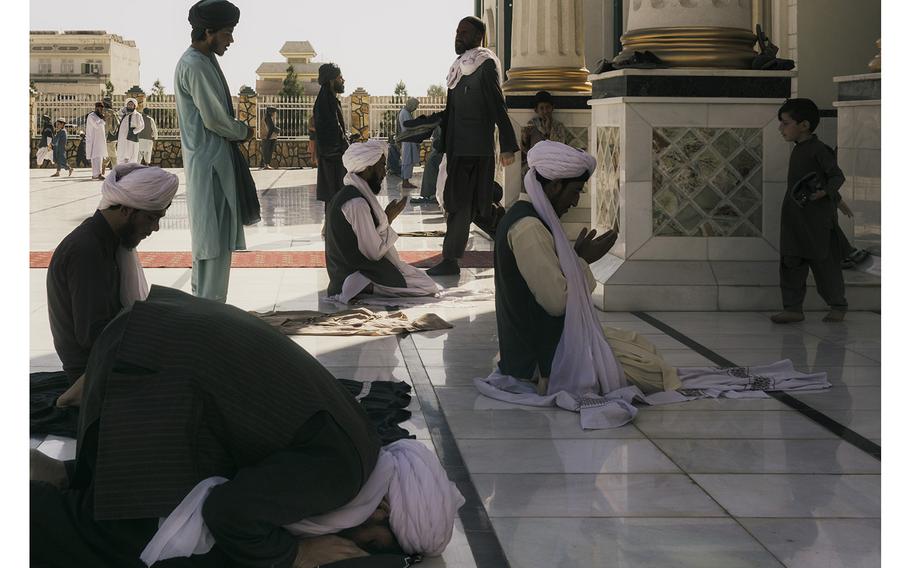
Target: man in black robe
[[475, 105], [331, 137]]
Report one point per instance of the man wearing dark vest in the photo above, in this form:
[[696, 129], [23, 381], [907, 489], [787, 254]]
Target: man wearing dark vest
[[531, 287], [474, 106], [359, 241], [183, 394]]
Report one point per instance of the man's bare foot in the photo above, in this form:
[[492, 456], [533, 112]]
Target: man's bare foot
[[543, 384], [47, 469]]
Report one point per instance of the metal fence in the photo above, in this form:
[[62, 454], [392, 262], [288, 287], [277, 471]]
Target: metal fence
[[384, 112], [75, 108], [292, 114]]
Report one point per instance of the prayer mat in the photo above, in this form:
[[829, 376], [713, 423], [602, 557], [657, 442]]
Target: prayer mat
[[281, 259], [385, 403], [358, 321]]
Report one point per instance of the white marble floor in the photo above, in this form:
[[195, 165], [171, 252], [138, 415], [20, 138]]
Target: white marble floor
[[726, 483]]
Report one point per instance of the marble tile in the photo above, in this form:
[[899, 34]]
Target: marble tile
[[746, 273], [843, 398], [868, 163], [529, 424], [846, 127], [866, 423], [768, 456], [458, 357], [584, 495], [868, 126], [741, 116], [636, 159], [782, 339], [456, 555], [642, 297], [824, 354], [673, 249], [460, 376], [467, 398], [635, 215], [564, 456], [748, 249], [649, 273], [630, 543], [672, 114], [820, 543], [747, 297], [361, 357], [788, 495], [399, 373], [728, 424], [685, 358], [775, 154], [852, 376]]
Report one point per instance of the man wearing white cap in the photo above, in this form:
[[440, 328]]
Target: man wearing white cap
[[206, 433], [359, 241], [94, 271], [543, 282], [131, 124]]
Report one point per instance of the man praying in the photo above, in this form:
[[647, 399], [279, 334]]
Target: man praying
[[360, 243], [95, 271], [208, 437]]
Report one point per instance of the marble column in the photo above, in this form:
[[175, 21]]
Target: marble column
[[548, 47], [691, 33]]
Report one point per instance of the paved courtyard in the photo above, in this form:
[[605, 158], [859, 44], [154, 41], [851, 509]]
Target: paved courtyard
[[730, 483]]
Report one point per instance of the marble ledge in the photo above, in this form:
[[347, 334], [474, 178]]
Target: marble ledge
[[687, 100], [861, 77], [691, 72], [862, 103]]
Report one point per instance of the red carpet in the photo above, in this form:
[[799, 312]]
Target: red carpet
[[278, 259]]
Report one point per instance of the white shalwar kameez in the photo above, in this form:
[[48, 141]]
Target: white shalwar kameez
[[95, 142], [127, 150]]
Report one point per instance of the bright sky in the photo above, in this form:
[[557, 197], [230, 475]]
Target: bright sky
[[375, 43]]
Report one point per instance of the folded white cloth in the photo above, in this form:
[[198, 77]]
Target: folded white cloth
[[470, 61]]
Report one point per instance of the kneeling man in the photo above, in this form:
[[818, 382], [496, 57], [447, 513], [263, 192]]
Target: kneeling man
[[359, 241], [95, 271], [202, 414]]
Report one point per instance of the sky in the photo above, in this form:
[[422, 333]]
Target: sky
[[375, 43]]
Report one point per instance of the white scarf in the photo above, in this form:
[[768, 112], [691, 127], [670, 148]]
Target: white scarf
[[422, 502], [584, 364], [138, 187], [470, 61], [358, 157]]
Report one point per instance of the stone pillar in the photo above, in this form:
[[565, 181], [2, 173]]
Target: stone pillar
[[548, 47], [32, 119], [360, 112], [691, 33], [247, 111]]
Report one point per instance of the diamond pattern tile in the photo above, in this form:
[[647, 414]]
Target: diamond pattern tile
[[606, 198]]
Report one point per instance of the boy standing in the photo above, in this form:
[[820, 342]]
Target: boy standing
[[59, 145], [808, 238]]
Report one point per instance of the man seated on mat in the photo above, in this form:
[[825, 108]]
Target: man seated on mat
[[543, 284], [209, 438], [95, 271], [359, 241]]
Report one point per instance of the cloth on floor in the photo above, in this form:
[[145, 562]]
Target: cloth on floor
[[423, 234], [449, 298], [357, 321], [423, 504], [45, 417], [615, 409]]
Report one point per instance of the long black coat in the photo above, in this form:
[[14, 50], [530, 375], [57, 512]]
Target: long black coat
[[183, 388]]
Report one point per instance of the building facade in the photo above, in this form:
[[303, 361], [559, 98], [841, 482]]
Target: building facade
[[82, 61], [298, 54]]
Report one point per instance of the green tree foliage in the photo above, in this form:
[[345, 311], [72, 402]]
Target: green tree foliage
[[401, 90], [291, 86], [436, 91]]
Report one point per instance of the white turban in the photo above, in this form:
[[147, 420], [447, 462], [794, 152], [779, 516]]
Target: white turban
[[554, 160], [137, 187], [361, 155], [127, 101], [422, 501]]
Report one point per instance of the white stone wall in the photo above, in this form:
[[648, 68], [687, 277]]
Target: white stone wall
[[124, 66]]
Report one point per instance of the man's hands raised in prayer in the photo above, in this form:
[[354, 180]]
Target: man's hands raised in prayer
[[506, 158], [395, 207], [592, 249], [322, 550]]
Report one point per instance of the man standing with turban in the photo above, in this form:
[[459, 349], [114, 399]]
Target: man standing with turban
[[331, 136], [96, 140], [131, 124], [410, 151], [203, 414], [207, 128], [94, 271], [474, 106], [359, 241]]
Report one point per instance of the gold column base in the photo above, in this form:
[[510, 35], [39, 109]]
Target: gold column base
[[532, 79], [693, 46]]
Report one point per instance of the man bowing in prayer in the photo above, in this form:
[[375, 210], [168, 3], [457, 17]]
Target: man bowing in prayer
[[206, 129], [474, 106], [94, 271], [96, 140], [359, 241], [131, 124], [205, 416]]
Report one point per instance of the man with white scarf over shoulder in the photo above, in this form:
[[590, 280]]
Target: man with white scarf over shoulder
[[131, 124], [359, 242], [95, 271]]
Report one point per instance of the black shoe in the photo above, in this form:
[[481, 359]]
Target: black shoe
[[447, 267], [423, 200]]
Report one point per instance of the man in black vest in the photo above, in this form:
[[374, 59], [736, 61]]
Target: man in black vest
[[531, 289], [474, 106], [359, 242]]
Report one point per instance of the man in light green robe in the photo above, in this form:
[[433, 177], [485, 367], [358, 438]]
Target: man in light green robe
[[206, 129]]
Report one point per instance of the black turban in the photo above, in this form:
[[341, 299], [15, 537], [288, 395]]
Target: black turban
[[328, 72], [477, 23], [213, 15]]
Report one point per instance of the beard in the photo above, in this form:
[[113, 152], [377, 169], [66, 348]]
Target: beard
[[100, 113], [375, 184], [130, 236]]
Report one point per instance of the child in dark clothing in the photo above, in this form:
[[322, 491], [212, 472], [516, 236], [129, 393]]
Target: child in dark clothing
[[808, 235], [59, 143], [81, 162]]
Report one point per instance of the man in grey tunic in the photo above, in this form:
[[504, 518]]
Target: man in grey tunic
[[206, 130]]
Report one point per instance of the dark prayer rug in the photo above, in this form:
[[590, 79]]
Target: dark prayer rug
[[280, 259]]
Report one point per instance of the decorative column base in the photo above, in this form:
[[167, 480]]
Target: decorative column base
[[533, 79], [691, 46]]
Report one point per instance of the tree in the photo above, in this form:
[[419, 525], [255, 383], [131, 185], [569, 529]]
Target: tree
[[400, 89], [436, 91], [291, 87], [157, 89]]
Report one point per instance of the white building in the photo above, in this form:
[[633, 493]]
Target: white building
[[82, 61], [298, 54]]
